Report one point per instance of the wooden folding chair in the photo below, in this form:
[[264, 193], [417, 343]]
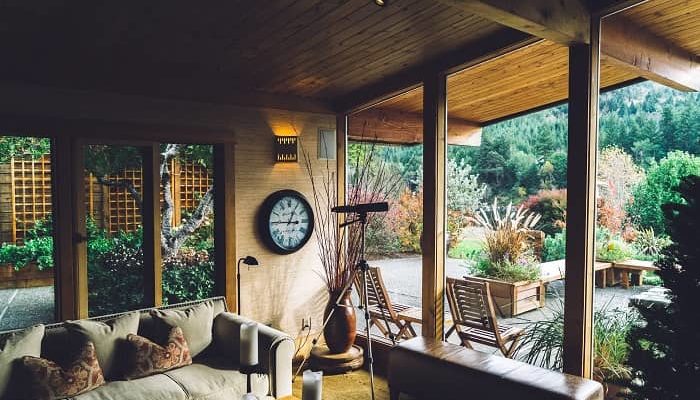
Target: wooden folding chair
[[474, 318], [398, 316]]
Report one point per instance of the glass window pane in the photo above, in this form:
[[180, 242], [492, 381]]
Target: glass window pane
[[187, 198], [506, 213], [113, 193], [26, 229], [392, 173]]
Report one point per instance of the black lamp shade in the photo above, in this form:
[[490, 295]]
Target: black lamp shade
[[250, 260]]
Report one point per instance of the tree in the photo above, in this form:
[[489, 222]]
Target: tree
[[617, 176], [464, 193], [105, 161], [658, 189], [664, 350]]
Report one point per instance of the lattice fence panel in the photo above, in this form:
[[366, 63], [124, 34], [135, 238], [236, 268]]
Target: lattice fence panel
[[123, 212], [112, 208], [195, 180], [31, 188]]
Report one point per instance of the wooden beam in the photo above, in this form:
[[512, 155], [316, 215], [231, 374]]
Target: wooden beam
[[633, 47], [561, 21], [150, 223], [605, 8], [584, 84], [171, 117], [498, 44], [225, 283], [69, 229], [434, 204], [397, 127]]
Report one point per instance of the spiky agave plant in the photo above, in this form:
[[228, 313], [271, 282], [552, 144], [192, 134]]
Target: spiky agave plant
[[516, 219], [507, 238]]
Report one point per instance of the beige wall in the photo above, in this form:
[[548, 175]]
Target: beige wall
[[284, 289]]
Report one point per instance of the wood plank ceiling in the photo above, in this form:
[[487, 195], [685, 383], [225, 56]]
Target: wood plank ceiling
[[321, 50], [524, 79]]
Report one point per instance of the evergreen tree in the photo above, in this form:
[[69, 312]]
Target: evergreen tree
[[664, 351]]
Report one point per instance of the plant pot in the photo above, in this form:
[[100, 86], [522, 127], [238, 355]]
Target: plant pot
[[342, 327], [515, 298]]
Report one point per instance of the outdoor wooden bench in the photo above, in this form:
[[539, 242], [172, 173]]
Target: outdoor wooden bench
[[429, 369], [632, 271]]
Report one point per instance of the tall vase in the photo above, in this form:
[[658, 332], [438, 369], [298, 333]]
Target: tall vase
[[342, 327]]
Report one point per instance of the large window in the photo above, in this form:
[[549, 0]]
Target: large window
[[115, 258], [394, 238], [26, 229], [187, 194]]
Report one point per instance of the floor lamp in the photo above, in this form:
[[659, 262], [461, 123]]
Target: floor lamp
[[250, 262]]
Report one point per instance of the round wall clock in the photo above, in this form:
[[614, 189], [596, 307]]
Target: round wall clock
[[286, 221]]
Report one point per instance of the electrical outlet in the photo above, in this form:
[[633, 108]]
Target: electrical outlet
[[306, 323]]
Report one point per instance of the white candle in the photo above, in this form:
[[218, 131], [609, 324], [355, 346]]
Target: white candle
[[259, 385], [249, 344], [312, 385]]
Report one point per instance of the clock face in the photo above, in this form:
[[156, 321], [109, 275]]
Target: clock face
[[286, 221]]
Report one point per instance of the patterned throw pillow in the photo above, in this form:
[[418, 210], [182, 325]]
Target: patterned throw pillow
[[48, 381], [150, 358]]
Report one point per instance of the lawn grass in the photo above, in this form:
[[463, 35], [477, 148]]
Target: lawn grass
[[465, 249]]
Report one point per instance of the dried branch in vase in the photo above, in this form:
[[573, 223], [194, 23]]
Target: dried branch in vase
[[370, 180]]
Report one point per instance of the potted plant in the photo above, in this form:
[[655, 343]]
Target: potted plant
[[507, 261], [543, 341], [370, 180]]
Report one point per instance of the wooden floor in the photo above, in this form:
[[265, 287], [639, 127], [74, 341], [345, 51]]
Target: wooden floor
[[351, 386]]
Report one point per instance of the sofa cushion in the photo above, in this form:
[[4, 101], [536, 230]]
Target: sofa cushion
[[210, 381], [109, 339], [150, 358], [49, 381], [196, 323], [26, 342], [154, 387]]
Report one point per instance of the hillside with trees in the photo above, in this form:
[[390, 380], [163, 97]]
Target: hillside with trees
[[649, 139]]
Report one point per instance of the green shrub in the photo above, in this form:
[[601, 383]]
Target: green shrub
[[115, 281], [647, 243], [554, 247], [188, 276], [613, 250], [659, 188], [543, 342], [523, 269]]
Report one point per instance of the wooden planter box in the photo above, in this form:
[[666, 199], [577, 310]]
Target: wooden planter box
[[515, 298], [29, 276]]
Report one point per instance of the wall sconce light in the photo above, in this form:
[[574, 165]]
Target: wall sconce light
[[286, 148]]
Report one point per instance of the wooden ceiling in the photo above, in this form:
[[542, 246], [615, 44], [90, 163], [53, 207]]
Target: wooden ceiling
[[676, 20], [527, 78], [320, 49]]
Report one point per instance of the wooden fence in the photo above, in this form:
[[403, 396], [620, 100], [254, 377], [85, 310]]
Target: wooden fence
[[25, 196]]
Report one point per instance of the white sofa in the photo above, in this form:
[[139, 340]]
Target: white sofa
[[213, 375]]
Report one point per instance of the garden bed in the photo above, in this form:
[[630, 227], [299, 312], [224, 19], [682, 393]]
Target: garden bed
[[26, 277], [515, 298]]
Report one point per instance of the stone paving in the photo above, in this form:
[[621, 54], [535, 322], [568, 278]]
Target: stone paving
[[402, 278], [25, 307]]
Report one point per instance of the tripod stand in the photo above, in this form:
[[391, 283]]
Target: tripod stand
[[363, 268]]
